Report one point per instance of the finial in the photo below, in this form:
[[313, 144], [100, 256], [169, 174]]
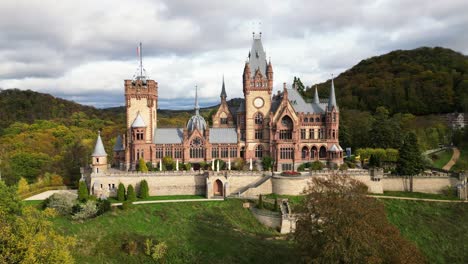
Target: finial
[[197, 107], [253, 35], [260, 34]]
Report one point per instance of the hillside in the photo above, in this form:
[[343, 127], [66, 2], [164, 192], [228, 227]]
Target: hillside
[[27, 106], [420, 81]]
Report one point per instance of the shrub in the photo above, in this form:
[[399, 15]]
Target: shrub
[[168, 163], [130, 247], [275, 206], [343, 167], [121, 192], [56, 180], [148, 246], [83, 193], [23, 186], [316, 165], [62, 202], [238, 164], [104, 206], [144, 190], [159, 251], [126, 205], [267, 163], [131, 196], [87, 210], [188, 166], [142, 166], [149, 165], [222, 164], [260, 202]]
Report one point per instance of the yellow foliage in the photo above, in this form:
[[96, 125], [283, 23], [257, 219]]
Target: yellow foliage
[[23, 186]]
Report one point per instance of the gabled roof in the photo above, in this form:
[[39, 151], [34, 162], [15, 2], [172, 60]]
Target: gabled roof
[[223, 135], [257, 58], [138, 122], [168, 136], [300, 105], [99, 150], [223, 90], [335, 148]]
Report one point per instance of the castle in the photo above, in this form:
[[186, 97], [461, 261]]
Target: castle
[[284, 126]]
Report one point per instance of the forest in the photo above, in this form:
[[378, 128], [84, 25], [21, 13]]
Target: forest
[[380, 99]]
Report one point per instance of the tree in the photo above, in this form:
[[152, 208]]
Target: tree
[[168, 163], [298, 85], [83, 193], [23, 186], [142, 165], [121, 192], [410, 160], [260, 202], [338, 223], [144, 190], [131, 196], [267, 163]]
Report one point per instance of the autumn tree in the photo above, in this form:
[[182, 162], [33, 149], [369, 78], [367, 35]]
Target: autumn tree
[[142, 165], [338, 223]]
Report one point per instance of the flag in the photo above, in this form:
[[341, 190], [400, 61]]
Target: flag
[[138, 50]]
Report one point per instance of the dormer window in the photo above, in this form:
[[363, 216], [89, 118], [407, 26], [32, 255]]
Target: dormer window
[[139, 135]]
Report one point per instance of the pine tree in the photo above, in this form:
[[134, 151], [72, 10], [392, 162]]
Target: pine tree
[[260, 201], [83, 193], [276, 207], [144, 190], [121, 192], [410, 161], [131, 196]]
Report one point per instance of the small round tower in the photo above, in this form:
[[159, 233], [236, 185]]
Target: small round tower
[[99, 163]]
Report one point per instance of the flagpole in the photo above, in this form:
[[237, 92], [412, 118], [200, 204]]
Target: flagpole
[[141, 62]]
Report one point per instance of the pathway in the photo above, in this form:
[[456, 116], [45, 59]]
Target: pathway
[[47, 194], [453, 160], [417, 199], [174, 201]]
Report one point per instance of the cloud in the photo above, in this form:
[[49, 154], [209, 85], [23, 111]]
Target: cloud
[[83, 50]]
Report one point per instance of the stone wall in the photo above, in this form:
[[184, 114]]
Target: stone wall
[[420, 184], [268, 218]]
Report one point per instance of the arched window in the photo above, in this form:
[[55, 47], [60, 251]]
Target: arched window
[[305, 153], [317, 120], [287, 127], [306, 120], [259, 151], [197, 150], [258, 119], [313, 152], [323, 152], [287, 122]]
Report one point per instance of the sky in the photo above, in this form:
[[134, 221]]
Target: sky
[[83, 50]]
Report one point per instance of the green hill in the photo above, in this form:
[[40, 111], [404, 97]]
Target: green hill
[[420, 81]]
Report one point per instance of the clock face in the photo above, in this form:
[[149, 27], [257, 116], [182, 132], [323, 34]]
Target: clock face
[[258, 102]]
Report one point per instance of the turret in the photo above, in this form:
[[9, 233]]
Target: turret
[[332, 99], [316, 96], [99, 163], [223, 92]]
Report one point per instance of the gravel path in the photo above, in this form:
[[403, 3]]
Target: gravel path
[[174, 201], [417, 199], [47, 194], [453, 160]]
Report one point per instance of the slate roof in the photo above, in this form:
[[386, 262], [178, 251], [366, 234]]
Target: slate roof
[[99, 150], [257, 58], [335, 148], [168, 136], [300, 105], [223, 135], [118, 144], [138, 122]]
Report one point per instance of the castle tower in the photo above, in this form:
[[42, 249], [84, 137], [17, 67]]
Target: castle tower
[[99, 156], [141, 101], [223, 117], [332, 124], [257, 87]]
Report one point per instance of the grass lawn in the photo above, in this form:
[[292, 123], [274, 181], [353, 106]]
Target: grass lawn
[[440, 230], [418, 195], [462, 162], [210, 232], [443, 157], [164, 197]]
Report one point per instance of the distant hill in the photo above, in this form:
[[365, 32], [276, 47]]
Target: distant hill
[[420, 81]]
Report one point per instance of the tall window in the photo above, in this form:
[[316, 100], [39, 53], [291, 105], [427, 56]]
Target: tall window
[[224, 152], [139, 134], [303, 134], [233, 153], [258, 119], [286, 153], [258, 134], [242, 136], [334, 117], [259, 151], [168, 152], [285, 134], [178, 153], [286, 131], [311, 133], [159, 153], [215, 152], [196, 148]]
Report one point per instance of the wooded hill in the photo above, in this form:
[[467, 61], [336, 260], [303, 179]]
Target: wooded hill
[[420, 81]]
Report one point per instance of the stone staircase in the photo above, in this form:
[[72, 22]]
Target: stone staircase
[[243, 190]]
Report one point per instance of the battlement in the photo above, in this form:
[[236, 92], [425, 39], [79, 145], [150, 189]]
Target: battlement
[[141, 87]]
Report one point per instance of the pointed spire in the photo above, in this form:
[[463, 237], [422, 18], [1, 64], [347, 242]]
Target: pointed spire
[[316, 96], [197, 107], [332, 99], [223, 91], [99, 150], [138, 122]]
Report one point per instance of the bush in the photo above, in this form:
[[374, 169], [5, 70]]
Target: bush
[[267, 163], [275, 206], [148, 246], [343, 167], [222, 164], [121, 192], [144, 190], [188, 166], [56, 180], [131, 196], [316, 165], [126, 205], [238, 164], [62, 202], [149, 165], [168, 163], [104, 206], [83, 193], [159, 251], [142, 166], [86, 211], [130, 247], [23, 186]]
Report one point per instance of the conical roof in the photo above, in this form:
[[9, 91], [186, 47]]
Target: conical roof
[[223, 90], [138, 122], [316, 96], [257, 57], [99, 150], [332, 98]]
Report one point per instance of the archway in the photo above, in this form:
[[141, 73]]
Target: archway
[[313, 152], [323, 152], [305, 153], [218, 188]]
